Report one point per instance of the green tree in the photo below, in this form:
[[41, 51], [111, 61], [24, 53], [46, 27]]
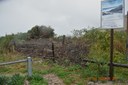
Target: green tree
[[40, 32]]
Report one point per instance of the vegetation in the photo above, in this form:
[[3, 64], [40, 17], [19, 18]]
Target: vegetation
[[73, 74], [5, 43], [100, 45], [36, 79], [98, 42], [20, 80], [14, 80]]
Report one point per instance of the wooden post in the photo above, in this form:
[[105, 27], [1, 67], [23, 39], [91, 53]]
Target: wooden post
[[111, 69], [53, 52]]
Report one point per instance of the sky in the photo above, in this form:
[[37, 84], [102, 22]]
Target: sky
[[62, 15]]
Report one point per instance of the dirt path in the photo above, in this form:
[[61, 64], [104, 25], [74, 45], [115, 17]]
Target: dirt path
[[53, 79]]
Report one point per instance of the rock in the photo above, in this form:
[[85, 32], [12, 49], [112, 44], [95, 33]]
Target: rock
[[91, 83], [26, 82]]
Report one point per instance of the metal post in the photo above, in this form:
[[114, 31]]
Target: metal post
[[29, 66], [111, 69]]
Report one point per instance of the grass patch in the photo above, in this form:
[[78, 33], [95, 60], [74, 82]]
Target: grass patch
[[19, 80], [14, 80], [36, 79]]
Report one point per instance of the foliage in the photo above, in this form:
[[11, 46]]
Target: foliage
[[78, 33], [40, 32], [3, 80], [100, 45], [16, 80], [20, 36]]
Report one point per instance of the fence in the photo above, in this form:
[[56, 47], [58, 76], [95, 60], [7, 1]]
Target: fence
[[29, 64], [109, 64]]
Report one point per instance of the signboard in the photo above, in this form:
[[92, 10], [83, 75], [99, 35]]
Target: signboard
[[112, 14]]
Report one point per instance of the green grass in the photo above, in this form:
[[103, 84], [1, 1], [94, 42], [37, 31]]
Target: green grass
[[19, 80], [69, 75], [36, 79], [13, 80], [73, 74]]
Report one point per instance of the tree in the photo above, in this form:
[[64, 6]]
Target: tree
[[40, 32]]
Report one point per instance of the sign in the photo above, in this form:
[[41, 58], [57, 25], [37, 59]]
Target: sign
[[112, 14]]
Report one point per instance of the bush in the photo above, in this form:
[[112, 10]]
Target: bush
[[100, 45], [4, 43]]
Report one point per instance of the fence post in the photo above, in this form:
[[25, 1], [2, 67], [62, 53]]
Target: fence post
[[53, 52], [29, 67]]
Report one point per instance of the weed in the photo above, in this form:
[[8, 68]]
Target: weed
[[16, 80], [3, 80]]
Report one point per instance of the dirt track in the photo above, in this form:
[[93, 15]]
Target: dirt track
[[53, 79]]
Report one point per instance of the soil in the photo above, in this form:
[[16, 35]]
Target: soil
[[53, 79]]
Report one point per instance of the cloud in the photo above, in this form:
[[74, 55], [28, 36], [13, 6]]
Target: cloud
[[62, 15]]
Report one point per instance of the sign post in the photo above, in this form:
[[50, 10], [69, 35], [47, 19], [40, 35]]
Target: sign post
[[111, 68], [112, 17]]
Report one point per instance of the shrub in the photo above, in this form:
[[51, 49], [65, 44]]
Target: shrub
[[4, 42]]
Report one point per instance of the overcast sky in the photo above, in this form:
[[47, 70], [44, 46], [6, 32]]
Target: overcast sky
[[62, 15]]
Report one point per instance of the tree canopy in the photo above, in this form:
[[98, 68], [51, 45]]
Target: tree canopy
[[41, 32]]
